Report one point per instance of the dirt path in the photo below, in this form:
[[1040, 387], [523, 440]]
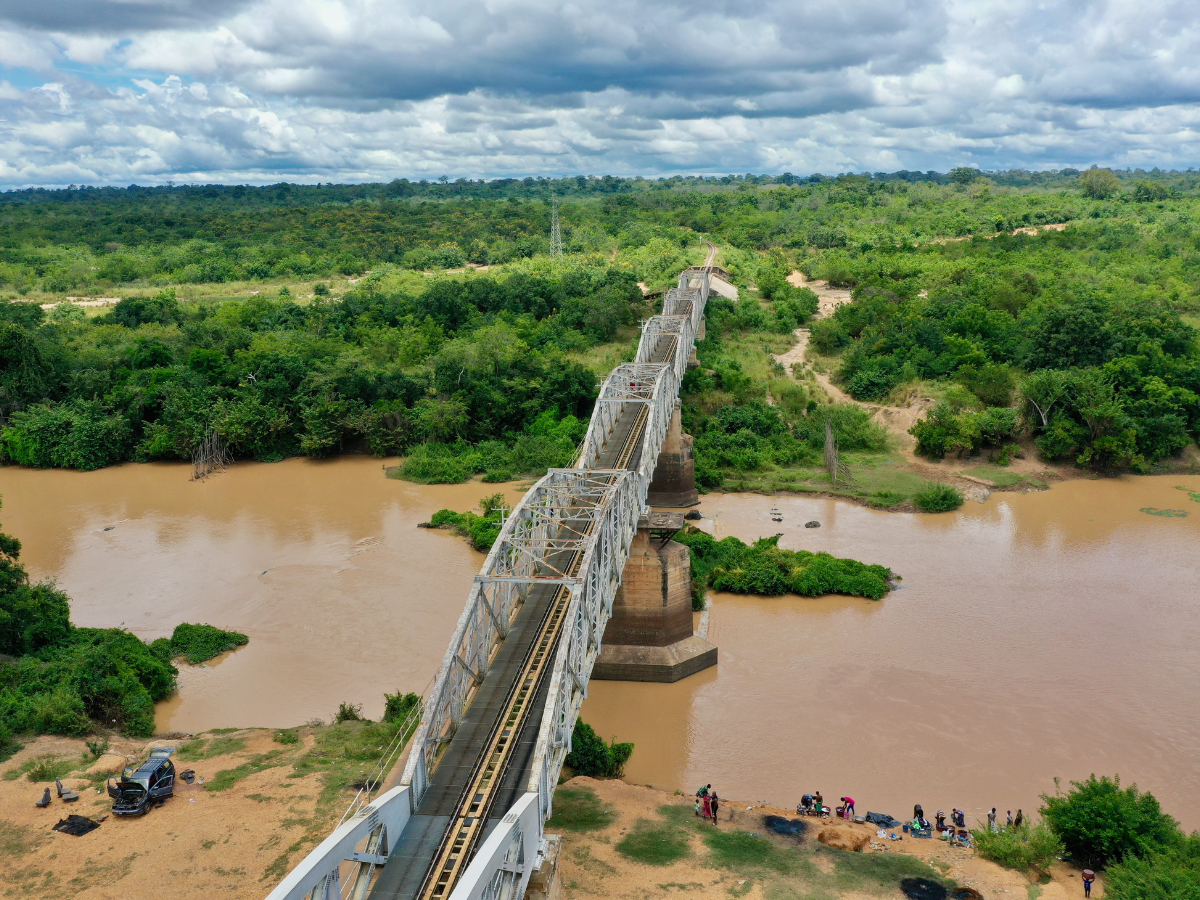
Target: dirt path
[[897, 420]]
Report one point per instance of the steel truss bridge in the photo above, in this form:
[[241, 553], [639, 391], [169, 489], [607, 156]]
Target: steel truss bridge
[[465, 821]]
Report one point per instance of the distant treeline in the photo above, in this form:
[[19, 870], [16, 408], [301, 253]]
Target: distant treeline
[[379, 369]]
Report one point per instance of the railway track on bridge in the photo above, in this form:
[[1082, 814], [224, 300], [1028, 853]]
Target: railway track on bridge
[[475, 804], [465, 821]]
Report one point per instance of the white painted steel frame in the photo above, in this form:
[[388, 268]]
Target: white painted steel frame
[[552, 517], [318, 876]]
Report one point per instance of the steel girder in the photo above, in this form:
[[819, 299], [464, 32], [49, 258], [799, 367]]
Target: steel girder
[[586, 511]]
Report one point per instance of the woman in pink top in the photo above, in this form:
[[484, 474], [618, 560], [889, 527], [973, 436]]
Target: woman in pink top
[[848, 803]]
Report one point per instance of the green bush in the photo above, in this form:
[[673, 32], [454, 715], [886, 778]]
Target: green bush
[[765, 568], [1169, 874], [1100, 823], [397, 706], [591, 756], [936, 497], [1026, 849]]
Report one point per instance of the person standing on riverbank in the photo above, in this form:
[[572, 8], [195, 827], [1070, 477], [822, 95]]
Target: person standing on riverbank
[[1020, 820], [706, 806], [1009, 823], [715, 804], [992, 820]]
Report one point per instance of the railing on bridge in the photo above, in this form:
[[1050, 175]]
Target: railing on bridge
[[591, 511]]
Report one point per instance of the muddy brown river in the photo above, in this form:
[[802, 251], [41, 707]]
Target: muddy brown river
[[1034, 636]]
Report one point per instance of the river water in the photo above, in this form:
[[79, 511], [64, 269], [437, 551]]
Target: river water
[[1034, 636]]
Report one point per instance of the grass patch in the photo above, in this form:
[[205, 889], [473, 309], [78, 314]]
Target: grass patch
[[345, 754], [886, 499], [207, 749], [579, 810], [41, 768], [878, 872], [14, 840], [287, 736], [227, 778], [654, 843], [742, 851]]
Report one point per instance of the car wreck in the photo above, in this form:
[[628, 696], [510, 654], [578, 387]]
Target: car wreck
[[141, 787]]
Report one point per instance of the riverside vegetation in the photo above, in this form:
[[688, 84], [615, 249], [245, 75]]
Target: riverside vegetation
[[59, 679], [1101, 825], [317, 320]]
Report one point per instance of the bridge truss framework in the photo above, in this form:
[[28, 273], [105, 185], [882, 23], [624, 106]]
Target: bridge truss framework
[[587, 515]]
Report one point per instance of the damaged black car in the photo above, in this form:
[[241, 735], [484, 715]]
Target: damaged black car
[[139, 789]]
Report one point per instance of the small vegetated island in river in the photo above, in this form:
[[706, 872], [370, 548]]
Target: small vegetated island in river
[[726, 565]]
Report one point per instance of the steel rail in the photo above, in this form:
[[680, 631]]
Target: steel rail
[[467, 824]]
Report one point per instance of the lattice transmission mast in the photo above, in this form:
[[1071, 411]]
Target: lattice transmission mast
[[555, 231]]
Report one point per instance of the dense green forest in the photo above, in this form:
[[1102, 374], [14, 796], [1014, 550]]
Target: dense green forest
[[293, 319]]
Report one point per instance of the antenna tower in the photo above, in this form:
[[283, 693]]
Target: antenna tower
[[555, 231]]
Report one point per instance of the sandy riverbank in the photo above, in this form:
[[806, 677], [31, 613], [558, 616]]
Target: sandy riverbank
[[771, 865], [236, 842]]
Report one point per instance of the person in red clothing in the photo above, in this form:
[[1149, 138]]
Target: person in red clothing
[[705, 806], [848, 807]]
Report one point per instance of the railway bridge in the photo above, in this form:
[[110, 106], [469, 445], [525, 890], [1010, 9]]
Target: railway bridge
[[465, 820]]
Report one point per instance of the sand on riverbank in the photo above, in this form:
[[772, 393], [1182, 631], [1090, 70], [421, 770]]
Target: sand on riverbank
[[232, 843], [591, 865], [239, 842]]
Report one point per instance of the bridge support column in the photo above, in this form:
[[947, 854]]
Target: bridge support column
[[649, 637], [674, 482]]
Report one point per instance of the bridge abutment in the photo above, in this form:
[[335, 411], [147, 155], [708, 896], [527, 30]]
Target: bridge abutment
[[649, 637], [674, 482]]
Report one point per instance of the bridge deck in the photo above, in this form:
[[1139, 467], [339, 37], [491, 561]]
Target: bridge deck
[[405, 873]]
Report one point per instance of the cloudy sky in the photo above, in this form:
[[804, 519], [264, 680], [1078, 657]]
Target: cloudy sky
[[146, 91]]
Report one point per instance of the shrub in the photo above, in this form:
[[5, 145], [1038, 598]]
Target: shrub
[[1101, 823], [1171, 874], [397, 706], [1026, 849], [48, 768], [937, 496], [591, 756], [348, 712]]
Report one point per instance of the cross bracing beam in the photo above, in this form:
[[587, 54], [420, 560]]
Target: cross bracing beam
[[587, 515]]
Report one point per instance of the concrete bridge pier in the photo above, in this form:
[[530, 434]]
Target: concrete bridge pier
[[649, 637], [674, 482]]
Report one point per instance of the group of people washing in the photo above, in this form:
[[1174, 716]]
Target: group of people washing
[[707, 803], [814, 805]]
